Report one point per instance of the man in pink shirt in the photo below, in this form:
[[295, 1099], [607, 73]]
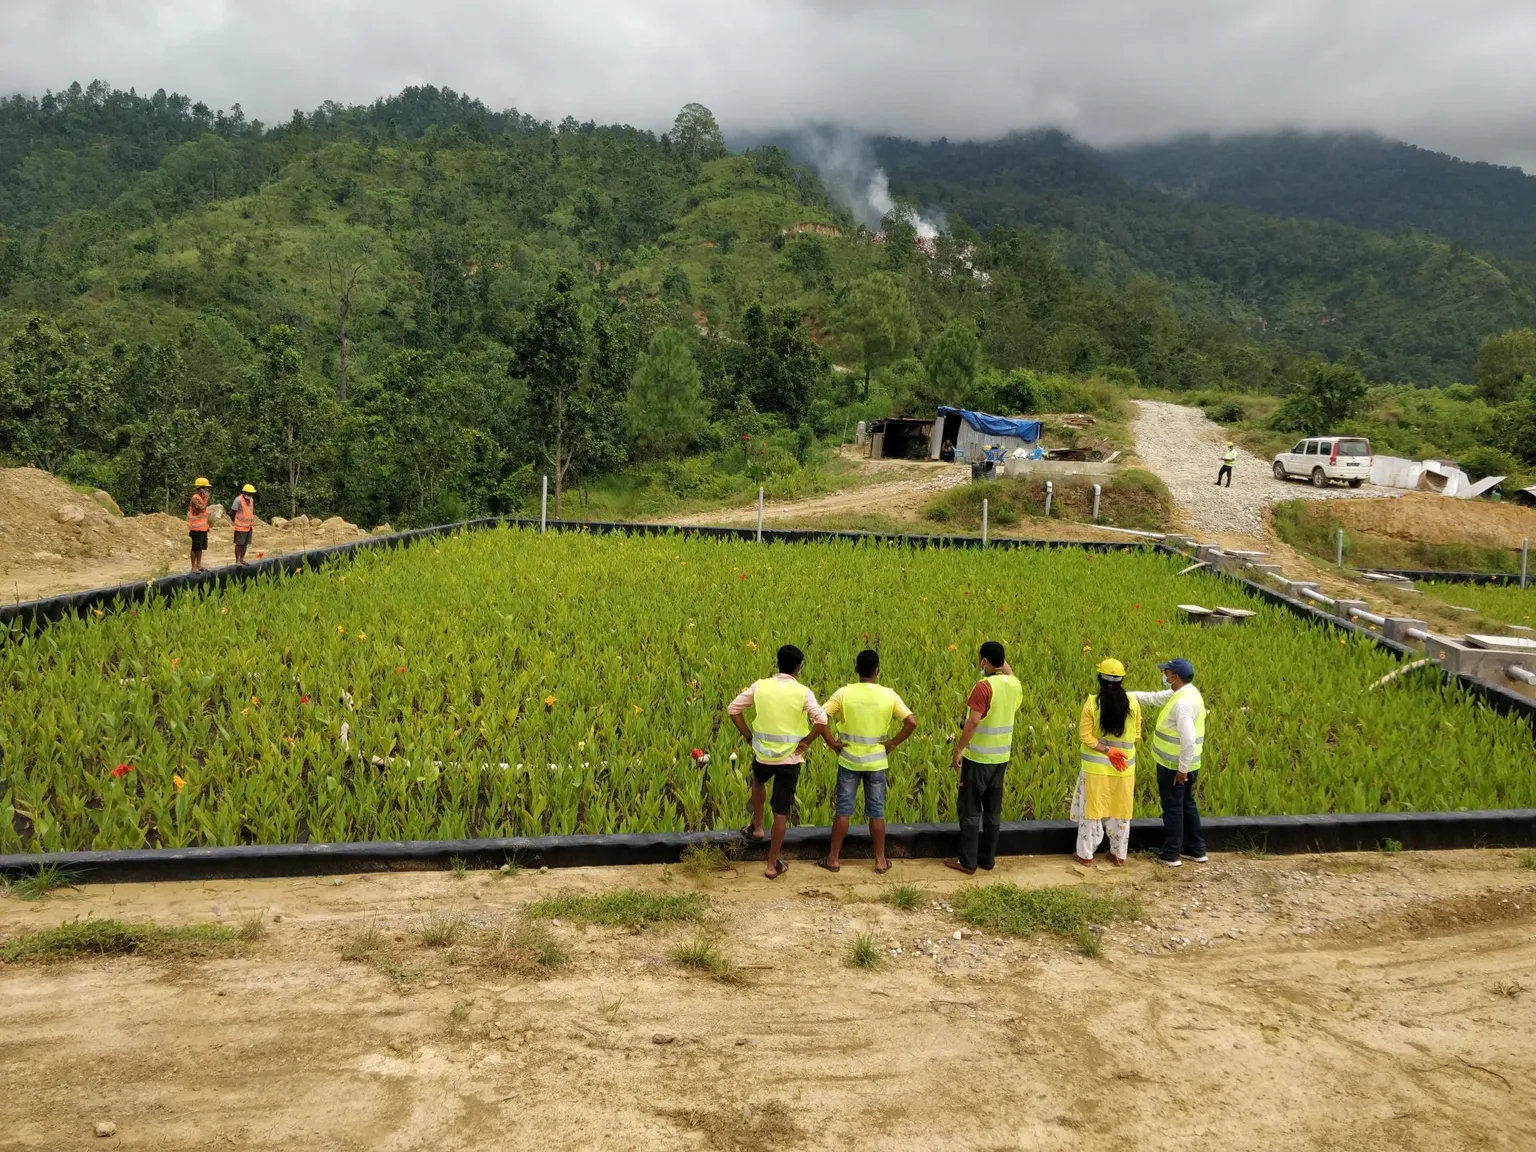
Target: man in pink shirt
[[786, 720]]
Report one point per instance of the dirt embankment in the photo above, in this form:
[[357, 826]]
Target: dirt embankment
[[1429, 519], [54, 539], [1297, 1004]]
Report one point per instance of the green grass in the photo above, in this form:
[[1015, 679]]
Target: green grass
[[705, 953], [527, 946], [1528, 860], [363, 942], [81, 939], [903, 897], [704, 860], [1025, 911], [1390, 845], [38, 884], [627, 908], [1087, 941], [440, 929], [458, 866], [864, 952], [1131, 498], [1310, 526]]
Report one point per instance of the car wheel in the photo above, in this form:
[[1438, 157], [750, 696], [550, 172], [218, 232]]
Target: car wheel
[[1319, 478], [1280, 472], [1355, 483]]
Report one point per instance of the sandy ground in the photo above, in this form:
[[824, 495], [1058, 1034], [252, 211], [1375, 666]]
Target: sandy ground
[[1184, 447], [54, 539], [1352, 1002], [1435, 519]]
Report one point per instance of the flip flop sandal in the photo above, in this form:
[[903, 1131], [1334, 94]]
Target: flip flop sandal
[[779, 871], [879, 871], [823, 863], [751, 836]]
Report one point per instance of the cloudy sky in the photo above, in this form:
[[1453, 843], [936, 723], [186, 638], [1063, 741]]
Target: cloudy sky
[[1457, 76]]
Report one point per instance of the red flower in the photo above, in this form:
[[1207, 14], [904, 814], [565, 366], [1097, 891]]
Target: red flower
[[1135, 607], [303, 699], [697, 753], [744, 436], [741, 575], [121, 770]]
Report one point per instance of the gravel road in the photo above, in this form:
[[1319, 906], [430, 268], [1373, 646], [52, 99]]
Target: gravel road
[[1184, 447]]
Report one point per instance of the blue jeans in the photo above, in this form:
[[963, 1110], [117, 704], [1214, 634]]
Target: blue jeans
[[1181, 819], [874, 792]]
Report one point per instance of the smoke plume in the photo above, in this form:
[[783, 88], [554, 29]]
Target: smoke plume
[[847, 166]]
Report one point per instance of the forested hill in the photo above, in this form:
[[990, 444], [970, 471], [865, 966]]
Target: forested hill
[[1412, 306], [1355, 178]]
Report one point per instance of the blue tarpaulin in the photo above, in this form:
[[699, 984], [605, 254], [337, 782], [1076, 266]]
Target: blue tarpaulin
[[1026, 430]]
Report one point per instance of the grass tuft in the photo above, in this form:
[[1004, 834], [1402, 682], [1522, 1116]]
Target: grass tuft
[[363, 943], [1510, 990], [252, 927], [705, 953], [1528, 860], [904, 897], [38, 884], [703, 860], [1087, 941], [440, 929], [77, 939], [864, 952], [1390, 845], [459, 866], [528, 947], [627, 908], [1025, 911]]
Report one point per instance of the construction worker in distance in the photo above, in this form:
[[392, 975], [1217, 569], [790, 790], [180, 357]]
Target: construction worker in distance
[[981, 757], [1105, 798], [868, 710], [1228, 459], [786, 720], [1178, 739], [242, 513], [197, 521]]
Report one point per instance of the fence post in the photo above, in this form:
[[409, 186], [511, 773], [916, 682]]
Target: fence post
[[1525, 558], [1340, 548], [759, 515], [544, 506], [1049, 488], [983, 523], [1097, 490]]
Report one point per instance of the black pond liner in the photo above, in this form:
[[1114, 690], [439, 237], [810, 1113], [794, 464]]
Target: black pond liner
[[1321, 833], [1508, 828]]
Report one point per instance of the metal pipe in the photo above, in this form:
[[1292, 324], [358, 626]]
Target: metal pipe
[[759, 515], [1318, 596], [1049, 488], [983, 522], [1341, 548], [1368, 617], [1525, 558], [1515, 672], [1415, 633], [544, 507], [1097, 489]]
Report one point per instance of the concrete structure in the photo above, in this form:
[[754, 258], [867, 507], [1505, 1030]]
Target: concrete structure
[[1060, 469]]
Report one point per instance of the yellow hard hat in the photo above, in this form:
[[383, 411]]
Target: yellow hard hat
[[201, 482], [1112, 669], [251, 488], [1230, 444]]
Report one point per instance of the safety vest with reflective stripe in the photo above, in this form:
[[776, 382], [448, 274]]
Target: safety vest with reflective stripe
[[779, 720], [1230, 457], [244, 510], [1096, 763], [1165, 737], [993, 739], [867, 712], [197, 514]]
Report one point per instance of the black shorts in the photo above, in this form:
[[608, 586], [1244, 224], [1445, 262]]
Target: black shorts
[[785, 777], [242, 539], [199, 540]]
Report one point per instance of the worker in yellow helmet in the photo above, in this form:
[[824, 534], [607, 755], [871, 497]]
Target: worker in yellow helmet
[[197, 521], [242, 514], [1106, 780], [1228, 459], [867, 709]]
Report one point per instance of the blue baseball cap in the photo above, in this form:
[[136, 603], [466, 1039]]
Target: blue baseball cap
[[1180, 667]]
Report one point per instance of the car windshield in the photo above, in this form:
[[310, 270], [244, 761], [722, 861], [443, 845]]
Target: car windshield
[[1354, 447]]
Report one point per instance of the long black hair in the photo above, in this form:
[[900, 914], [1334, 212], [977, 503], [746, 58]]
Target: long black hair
[[1114, 707]]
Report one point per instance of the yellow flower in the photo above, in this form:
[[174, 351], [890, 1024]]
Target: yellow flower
[[1087, 647], [98, 611], [636, 707], [340, 629], [362, 635], [179, 782], [752, 645], [954, 647], [255, 700], [549, 701]]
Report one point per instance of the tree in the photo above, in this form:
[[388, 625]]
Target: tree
[[878, 315], [345, 256], [953, 360], [54, 396], [666, 408], [775, 364], [1517, 423], [696, 135], [550, 357], [1328, 395], [288, 406], [1503, 362]]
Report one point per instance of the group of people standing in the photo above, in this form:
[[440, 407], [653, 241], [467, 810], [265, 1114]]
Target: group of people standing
[[864, 721], [242, 514]]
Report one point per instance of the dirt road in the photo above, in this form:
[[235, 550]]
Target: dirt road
[[1297, 1003], [1184, 447]]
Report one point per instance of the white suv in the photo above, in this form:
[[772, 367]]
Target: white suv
[[1324, 459]]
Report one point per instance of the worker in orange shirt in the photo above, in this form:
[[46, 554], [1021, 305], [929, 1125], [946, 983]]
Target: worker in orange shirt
[[242, 513], [197, 521]]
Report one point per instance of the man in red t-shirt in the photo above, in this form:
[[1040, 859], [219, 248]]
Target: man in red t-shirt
[[988, 737]]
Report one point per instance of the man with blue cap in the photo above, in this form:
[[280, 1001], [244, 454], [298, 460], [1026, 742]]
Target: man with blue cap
[[1178, 739]]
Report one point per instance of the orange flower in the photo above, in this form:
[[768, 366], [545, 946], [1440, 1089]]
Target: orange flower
[[175, 660], [255, 700], [954, 647], [179, 782], [549, 701]]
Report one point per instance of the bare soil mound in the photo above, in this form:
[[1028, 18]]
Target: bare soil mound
[[1431, 519], [55, 539]]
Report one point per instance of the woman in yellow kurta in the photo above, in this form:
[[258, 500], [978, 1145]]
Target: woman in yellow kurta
[[1106, 784]]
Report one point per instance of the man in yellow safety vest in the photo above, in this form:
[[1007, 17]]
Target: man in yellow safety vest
[[786, 720], [1228, 459], [981, 757], [1178, 739], [868, 709]]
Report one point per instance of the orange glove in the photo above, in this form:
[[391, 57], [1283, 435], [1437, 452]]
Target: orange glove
[[1117, 758]]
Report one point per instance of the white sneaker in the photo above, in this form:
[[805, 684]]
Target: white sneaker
[[1174, 863], [1200, 859]]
